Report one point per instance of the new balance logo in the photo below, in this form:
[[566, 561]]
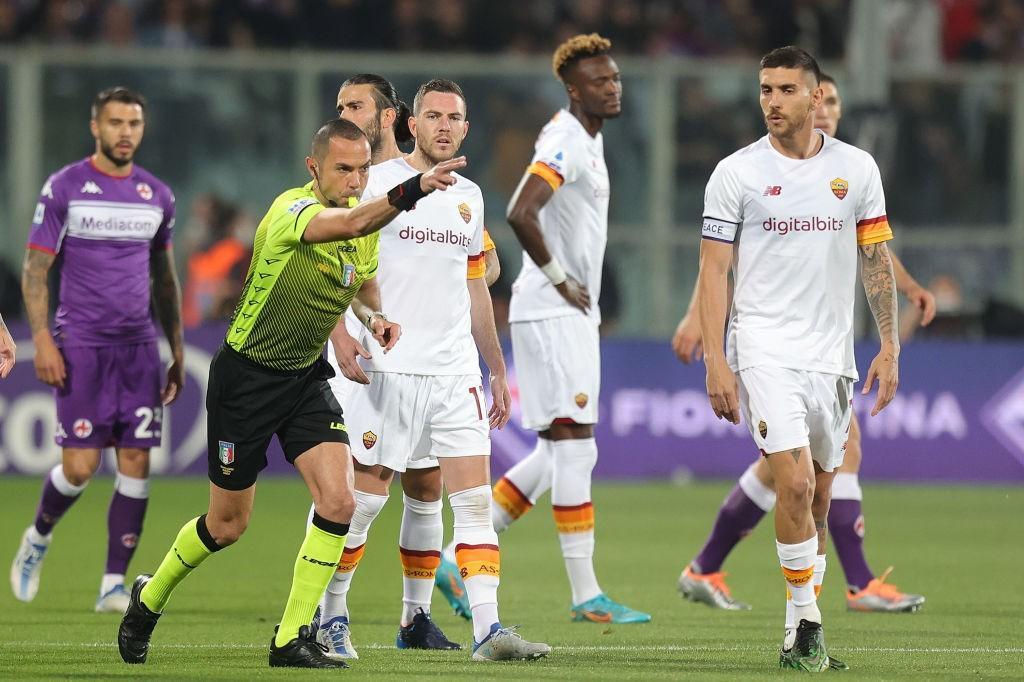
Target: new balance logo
[[772, 191], [90, 187]]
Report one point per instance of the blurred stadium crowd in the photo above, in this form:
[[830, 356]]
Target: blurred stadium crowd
[[924, 32]]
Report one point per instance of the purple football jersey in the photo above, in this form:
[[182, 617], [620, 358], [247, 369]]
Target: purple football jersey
[[102, 229]]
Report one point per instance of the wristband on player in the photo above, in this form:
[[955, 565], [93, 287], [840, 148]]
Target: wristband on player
[[369, 319], [405, 195], [554, 272]]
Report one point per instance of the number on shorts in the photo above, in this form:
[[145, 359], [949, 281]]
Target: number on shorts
[[151, 417], [476, 396]]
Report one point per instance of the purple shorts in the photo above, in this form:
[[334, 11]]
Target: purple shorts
[[111, 397]]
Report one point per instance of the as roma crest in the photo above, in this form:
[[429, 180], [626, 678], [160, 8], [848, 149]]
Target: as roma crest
[[369, 439], [581, 400], [839, 187], [762, 428], [465, 212]]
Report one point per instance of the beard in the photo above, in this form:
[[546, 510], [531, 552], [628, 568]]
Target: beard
[[436, 157], [373, 134], [108, 151]]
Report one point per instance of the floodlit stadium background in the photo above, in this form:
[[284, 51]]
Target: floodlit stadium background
[[935, 90]]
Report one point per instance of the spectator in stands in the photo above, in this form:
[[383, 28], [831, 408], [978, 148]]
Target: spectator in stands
[[217, 262]]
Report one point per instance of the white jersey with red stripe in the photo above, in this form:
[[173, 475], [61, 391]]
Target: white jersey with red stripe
[[426, 256], [796, 225], [574, 222]]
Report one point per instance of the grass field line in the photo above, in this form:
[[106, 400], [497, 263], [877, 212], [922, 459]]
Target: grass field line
[[584, 647]]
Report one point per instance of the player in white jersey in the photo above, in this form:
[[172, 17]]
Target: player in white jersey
[[560, 215], [371, 102], [790, 214], [424, 406], [753, 496]]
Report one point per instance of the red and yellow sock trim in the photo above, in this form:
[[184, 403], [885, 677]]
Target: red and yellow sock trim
[[474, 560], [350, 558], [578, 518], [511, 499], [420, 564], [798, 577]]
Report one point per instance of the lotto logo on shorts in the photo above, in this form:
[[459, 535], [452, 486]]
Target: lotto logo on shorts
[[581, 400], [369, 439], [226, 452]]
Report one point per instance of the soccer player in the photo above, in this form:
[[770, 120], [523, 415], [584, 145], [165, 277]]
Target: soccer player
[[8, 350], [109, 223], [312, 253], [790, 214], [754, 494], [560, 215], [423, 407], [371, 102]]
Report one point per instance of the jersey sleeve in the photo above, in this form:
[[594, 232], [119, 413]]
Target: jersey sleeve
[[555, 159], [476, 266], [162, 238], [872, 223], [48, 221], [723, 205], [286, 230], [488, 242]]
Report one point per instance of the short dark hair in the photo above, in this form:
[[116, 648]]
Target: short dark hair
[[826, 78], [336, 127], [386, 97], [791, 57], [117, 93], [436, 85]]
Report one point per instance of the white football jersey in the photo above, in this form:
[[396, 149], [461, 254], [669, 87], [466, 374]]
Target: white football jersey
[[796, 225], [426, 255], [574, 222]]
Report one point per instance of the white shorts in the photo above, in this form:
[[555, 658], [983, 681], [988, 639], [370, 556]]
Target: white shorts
[[407, 421], [558, 370], [787, 409]]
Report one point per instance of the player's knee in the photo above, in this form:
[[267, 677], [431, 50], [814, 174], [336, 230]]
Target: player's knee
[[796, 489], [79, 470], [134, 463], [337, 506], [226, 529], [472, 507]]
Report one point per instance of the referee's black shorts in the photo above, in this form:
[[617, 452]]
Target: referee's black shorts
[[247, 403]]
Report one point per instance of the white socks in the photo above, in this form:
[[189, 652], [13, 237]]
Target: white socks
[[573, 462], [335, 600], [846, 486], [798, 562], [517, 491], [760, 494], [419, 545], [476, 552]]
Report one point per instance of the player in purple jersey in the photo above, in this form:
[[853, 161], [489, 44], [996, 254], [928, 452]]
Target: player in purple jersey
[[107, 222]]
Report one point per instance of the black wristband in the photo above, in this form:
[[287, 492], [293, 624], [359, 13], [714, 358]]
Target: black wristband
[[405, 195]]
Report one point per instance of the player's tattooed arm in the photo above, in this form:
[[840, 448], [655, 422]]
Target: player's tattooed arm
[[880, 286], [34, 289], [49, 362], [167, 302]]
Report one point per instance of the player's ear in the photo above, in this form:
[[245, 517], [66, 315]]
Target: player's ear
[[311, 167], [94, 128], [388, 118], [412, 126]]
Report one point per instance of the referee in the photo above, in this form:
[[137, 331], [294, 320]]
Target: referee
[[314, 251]]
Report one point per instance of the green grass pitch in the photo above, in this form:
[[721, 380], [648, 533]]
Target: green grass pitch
[[961, 547]]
